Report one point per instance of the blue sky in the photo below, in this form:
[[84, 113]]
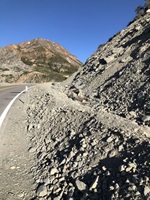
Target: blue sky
[[80, 26]]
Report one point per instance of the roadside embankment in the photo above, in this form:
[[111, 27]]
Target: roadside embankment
[[83, 154]]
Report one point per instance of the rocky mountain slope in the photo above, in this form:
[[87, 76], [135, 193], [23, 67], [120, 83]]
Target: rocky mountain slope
[[37, 60], [91, 133], [118, 74]]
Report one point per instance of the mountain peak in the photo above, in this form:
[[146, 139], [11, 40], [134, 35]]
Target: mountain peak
[[48, 58]]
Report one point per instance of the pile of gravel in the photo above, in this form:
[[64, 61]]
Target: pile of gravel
[[84, 154]]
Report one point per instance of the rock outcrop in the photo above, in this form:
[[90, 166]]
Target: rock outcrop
[[91, 133], [37, 60]]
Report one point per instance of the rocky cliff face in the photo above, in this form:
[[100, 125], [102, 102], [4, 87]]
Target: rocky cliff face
[[37, 60], [91, 133]]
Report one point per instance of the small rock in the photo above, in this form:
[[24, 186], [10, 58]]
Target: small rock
[[128, 169], [134, 187], [112, 153], [133, 114], [104, 168], [75, 164], [110, 139], [116, 186], [53, 171], [30, 127], [111, 188], [42, 191], [55, 181], [131, 166], [85, 154], [80, 185], [70, 155], [146, 190], [94, 185], [120, 148], [125, 160], [21, 195], [122, 168], [94, 142], [63, 161], [13, 167]]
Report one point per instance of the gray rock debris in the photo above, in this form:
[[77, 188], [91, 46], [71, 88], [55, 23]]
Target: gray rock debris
[[91, 136], [82, 154], [121, 83]]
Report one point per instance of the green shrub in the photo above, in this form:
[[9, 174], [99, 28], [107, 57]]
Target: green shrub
[[4, 69], [26, 61]]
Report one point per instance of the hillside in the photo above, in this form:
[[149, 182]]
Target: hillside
[[91, 133], [37, 60], [117, 75]]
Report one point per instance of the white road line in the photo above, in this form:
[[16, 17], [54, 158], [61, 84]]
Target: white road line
[[2, 117]]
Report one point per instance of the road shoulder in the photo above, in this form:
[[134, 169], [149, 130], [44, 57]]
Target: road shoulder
[[16, 180]]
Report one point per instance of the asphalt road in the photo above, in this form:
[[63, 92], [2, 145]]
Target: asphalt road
[[7, 93]]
